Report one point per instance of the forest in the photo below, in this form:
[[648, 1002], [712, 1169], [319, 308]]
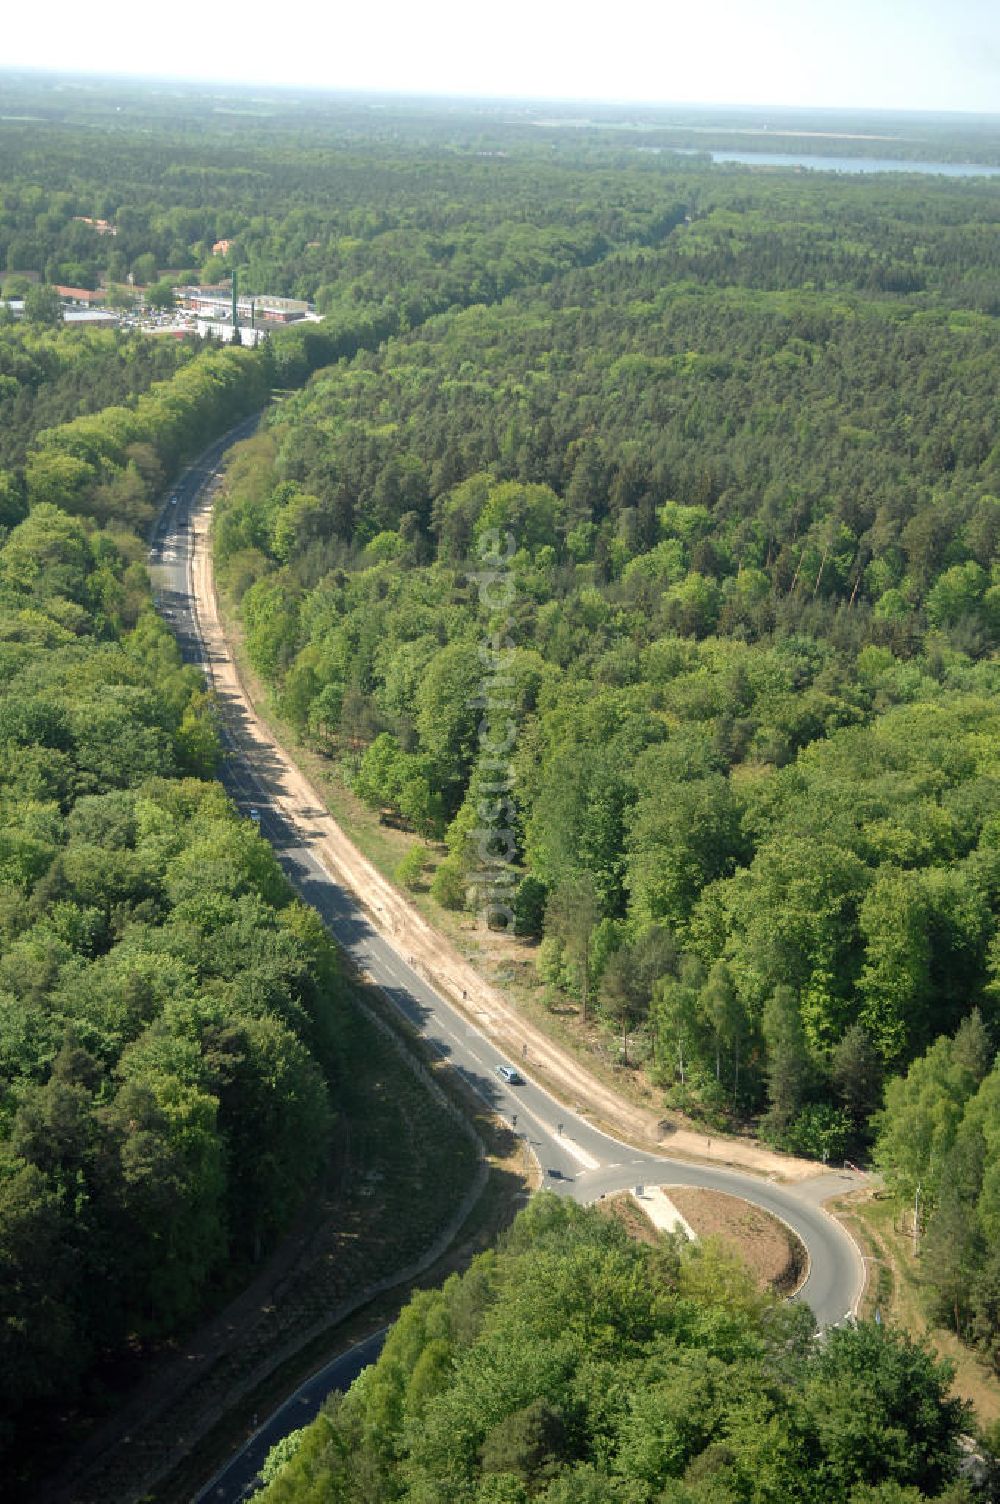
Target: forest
[[168, 1012], [172, 1021], [751, 484], [755, 613], [51, 375], [739, 428], [576, 1367]]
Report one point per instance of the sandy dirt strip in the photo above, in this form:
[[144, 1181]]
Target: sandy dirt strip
[[424, 948]]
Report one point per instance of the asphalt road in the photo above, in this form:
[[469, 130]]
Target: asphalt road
[[239, 1478], [577, 1159]]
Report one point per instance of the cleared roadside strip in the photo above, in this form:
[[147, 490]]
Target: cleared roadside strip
[[286, 790], [287, 807]]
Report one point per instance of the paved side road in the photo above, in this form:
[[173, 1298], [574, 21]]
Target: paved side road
[[239, 1479]]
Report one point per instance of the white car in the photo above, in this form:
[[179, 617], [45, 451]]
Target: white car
[[255, 814], [508, 1074]]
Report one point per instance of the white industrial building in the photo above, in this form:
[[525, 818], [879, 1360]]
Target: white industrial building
[[222, 329], [217, 303]]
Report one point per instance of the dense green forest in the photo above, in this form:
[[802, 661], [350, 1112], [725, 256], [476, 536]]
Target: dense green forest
[[168, 1012], [939, 1144], [50, 375], [753, 628], [740, 431], [110, 465], [171, 1019], [575, 1367]]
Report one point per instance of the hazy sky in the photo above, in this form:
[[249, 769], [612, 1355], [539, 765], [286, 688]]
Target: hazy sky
[[908, 54]]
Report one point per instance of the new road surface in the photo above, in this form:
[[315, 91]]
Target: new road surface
[[577, 1159]]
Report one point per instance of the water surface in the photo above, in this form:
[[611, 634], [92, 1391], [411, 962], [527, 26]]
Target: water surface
[[853, 164]]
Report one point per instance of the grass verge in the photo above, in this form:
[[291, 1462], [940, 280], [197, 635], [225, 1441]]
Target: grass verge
[[895, 1289]]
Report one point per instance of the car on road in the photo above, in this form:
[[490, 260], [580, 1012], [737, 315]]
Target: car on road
[[508, 1075], [255, 815]]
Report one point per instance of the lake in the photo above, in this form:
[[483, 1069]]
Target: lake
[[853, 164]]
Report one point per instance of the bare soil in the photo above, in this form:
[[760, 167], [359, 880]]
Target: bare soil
[[773, 1253], [621, 1206]]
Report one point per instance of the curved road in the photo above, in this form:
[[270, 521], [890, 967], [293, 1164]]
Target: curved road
[[577, 1159], [239, 1477]]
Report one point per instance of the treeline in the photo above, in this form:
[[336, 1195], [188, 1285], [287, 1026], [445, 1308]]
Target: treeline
[[48, 376], [755, 610], [575, 1367], [110, 465], [939, 1148], [171, 1021]]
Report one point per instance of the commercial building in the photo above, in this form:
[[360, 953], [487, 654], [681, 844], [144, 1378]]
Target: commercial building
[[222, 329], [81, 297], [90, 318], [217, 303]]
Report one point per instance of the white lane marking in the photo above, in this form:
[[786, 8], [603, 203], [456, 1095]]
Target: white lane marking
[[574, 1150], [577, 1152]]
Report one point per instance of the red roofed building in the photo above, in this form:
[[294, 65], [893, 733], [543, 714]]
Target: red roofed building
[[81, 297]]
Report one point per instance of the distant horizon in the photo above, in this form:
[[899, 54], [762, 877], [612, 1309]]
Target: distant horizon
[[83, 78], [908, 56]]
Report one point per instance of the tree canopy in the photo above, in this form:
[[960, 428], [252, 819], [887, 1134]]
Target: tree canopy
[[572, 1365], [171, 1030], [752, 630]]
